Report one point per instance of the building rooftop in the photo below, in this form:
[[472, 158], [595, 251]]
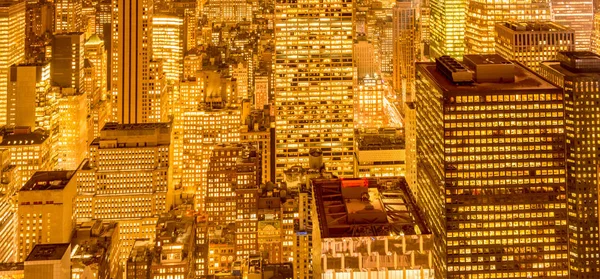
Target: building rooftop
[[48, 180], [524, 79], [138, 126], [579, 61], [172, 228], [534, 26], [380, 140], [23, 139], [12, 266], [366, 207], [48, 252]]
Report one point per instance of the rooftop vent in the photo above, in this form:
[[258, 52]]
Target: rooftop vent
[[453, 70]]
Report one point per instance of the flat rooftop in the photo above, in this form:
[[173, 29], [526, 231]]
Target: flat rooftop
[[111, 126], [534, 26], [376, 141], [524, 80], [48, 180], [366, 207], [23, 139], [4, 267], [48, 252]]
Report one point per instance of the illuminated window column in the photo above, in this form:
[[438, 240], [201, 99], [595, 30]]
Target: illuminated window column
[[12, 46], [313, 80]]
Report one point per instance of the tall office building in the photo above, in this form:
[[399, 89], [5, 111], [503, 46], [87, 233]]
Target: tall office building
[[491, 169], [220, 203], [577, 15], [578, 73], [447, 27], [483, 15], [29, 103], [50, 261], [12, 46], [46, 210], [313, 79], [67, 16], [95, 52], [68, 60], [128, 174], [364, 58], [531, 43], [131, 45], [202, 131], [406, 49], [73, 143], [9, 187], [29, 151], [247, 191], [167, 44]]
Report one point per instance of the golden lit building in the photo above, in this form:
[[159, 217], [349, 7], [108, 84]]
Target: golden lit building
[[124, 238], [128, 174], [9, 187], [364, 58], [67, 16], [406, 43], [368, 228], [410, 137], [30, 101], [492, 186], [577, 15], [167, 44], [202, 131], [12, 46], [29, 151], [220, 205], [248, 180], [131, 57], [73, 139], [596, 34], [313, 92], [68, 60], [379, 153], [384, 45], [578, 73], [95, 52], [261, 89], [447, 27], [51, 261], [369, 102], [257, 130], [482, 16], [531, 43], [46, 210], [174, 253]]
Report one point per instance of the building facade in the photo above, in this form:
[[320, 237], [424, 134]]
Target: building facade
[[578, 73], [491, 168], [531, 43], [313, 93]]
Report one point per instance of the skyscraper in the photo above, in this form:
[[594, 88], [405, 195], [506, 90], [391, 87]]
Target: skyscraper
[[533, 42], [167, 44], [128, 173], [447, 27], [313, 83], [406, 44], [67, 16], [68, 60], [578, 73], [483, 15], [46, 207], [491, 169], [131, 54], [12, 46], [577, 15]]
